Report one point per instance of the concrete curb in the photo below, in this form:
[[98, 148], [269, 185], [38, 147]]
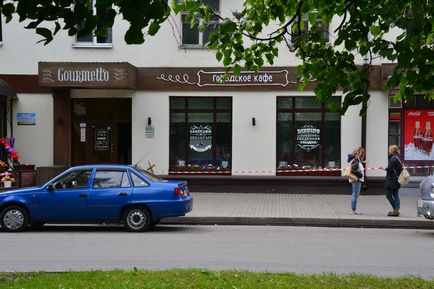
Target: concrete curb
[[395, 223]]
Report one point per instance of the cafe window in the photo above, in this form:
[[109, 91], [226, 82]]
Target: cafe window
[[192, 37], [92, 39], [201, 135], [410, 127], [308, 136]]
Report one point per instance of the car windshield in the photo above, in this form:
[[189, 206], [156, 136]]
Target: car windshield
[[149, 175]]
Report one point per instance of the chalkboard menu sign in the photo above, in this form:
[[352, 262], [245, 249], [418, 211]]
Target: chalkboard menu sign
[[308, 137], [200, 138], [102, 139]]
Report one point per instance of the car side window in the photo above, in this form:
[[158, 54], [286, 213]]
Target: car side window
[[74, 180], [137, 181], [111, 179]]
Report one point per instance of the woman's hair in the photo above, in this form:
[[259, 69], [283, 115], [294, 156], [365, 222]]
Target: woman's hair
[[394, 149], [359, 152]]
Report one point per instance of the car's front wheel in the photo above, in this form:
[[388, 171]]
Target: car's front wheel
[[14, 219], [137, 219]]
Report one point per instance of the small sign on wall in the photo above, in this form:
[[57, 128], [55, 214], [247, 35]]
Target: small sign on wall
[[26, 118], [150, 131], [102, 139], [82, 132]]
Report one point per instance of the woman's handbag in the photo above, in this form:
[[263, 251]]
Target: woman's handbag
[[348, 173], [404, 176]]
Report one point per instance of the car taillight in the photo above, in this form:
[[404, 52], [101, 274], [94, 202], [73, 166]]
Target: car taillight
[[179, 192]]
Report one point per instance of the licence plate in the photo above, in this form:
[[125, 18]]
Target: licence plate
[[419, 203]]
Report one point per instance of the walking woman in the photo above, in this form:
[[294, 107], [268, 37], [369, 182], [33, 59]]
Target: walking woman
[[392, 186], [356, 163]]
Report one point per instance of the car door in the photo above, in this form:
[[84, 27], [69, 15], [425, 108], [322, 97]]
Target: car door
[[66, 200], [111, 190]]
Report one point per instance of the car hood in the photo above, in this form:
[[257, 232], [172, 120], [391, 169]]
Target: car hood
[[19, 191]]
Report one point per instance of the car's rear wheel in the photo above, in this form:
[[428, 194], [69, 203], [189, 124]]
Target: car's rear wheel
[[137, 219], [14, 219]]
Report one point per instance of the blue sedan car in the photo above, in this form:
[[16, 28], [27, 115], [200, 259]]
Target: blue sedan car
[[97, 193]]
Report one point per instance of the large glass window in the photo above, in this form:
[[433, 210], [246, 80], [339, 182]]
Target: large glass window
[[410, 125], [200, 134], [92, 39], [193, 37], [308, 135], [317, 27]]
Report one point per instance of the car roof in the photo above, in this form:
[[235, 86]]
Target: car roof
[[107, 166]]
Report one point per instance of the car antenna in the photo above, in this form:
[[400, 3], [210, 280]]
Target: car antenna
[[142, 159]]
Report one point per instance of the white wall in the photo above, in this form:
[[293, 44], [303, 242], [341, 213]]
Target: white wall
[[377, 132], [254, 147], [156, 106], [20, 51], [34, 143], [351, 132]]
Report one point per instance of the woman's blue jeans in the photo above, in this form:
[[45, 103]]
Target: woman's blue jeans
[[393, 196], [356, 192]]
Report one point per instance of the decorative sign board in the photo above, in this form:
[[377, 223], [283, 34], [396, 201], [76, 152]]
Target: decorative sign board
[[87, 74], [102, 139], [308, 137], [200, 138], [26, 118]]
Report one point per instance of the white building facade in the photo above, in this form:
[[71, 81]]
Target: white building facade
[[95, 100]]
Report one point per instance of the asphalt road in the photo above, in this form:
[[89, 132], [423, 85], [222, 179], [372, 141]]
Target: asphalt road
[[285, 249]]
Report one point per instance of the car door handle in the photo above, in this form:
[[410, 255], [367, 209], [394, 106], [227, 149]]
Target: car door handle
[[83, 195], [123, 194]]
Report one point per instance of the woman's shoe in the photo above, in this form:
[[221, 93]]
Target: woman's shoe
[[394, 213]]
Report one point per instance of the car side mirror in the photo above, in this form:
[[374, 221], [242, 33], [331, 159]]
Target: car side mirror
[[50, 187]]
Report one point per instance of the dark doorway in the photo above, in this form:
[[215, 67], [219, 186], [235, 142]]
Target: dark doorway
[[101, 131]]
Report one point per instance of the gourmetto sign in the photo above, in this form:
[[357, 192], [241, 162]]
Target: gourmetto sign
[[87, 75]]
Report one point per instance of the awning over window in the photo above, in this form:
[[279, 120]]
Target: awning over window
[[6, 90]]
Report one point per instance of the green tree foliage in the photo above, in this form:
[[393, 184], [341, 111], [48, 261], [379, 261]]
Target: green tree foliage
[[250, 38]]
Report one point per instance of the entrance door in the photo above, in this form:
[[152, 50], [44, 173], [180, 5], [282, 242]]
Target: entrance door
[[102, 148], [101, 131]]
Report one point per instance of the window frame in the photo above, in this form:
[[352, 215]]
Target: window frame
[[186, 111], [132, 173], [94, 43], [70, 172], [418, 102], [307, 26], [293, 110], [124, 171], [200, 44]]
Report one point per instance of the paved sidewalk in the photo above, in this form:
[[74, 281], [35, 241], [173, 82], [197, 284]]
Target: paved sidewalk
[[301, 210]]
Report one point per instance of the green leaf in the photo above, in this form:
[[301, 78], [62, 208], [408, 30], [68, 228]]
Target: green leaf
[[153, 28], [375, 30], [219, 55]]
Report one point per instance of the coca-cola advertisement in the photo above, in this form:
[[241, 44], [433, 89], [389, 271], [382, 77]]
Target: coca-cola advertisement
[[418, 138]]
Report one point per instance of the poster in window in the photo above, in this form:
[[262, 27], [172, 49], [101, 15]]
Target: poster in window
[[308, 137], [418, 135], [102, 139], [200, 138]]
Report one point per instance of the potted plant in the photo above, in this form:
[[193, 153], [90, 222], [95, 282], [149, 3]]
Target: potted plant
[[7, 179]]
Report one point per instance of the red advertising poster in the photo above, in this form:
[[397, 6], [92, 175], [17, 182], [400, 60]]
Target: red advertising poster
[[418, 138]]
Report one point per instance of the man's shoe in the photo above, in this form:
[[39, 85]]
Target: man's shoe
[[390, 214]]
